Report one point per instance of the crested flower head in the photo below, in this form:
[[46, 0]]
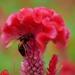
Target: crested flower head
[[68, 68], [42, 23]]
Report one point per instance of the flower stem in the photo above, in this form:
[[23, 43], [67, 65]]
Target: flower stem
[[32, 64]]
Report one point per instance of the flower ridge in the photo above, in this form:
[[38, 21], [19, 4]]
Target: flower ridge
[[45, 25]]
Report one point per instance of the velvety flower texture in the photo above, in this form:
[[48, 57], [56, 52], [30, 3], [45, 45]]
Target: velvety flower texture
[[45, 25], [34, 28]]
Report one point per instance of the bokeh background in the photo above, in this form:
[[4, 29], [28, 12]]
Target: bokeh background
[[10, 58]]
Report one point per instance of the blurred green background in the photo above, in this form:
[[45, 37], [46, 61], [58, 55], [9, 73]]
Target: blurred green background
[[10, 58]]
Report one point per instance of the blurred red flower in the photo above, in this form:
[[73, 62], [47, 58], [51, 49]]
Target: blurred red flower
[[52, 65], [44, 24], [4, 72], [68, 68]]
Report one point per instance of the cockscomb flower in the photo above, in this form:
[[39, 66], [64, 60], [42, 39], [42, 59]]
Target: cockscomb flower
[[44, 24], [4, 72], [68, 68], [34, 28]]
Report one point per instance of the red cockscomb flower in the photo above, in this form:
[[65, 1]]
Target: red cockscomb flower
[[4, 72], [44, 24], [68, 68], [34, 28]]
